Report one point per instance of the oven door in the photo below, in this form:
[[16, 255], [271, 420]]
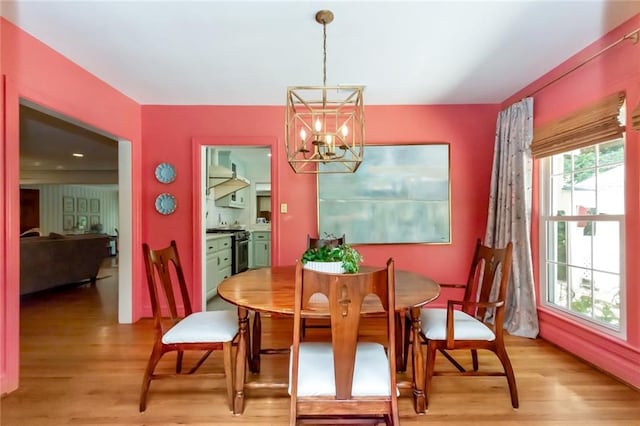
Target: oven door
[[242, 256]]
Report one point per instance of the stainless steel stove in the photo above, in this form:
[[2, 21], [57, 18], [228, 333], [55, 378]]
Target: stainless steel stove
[[239, 247]]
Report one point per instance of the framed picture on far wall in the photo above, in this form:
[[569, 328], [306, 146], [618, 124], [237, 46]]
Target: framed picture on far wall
[[68, 220], [82, 222], [82, 205], [94, 205], [67, 204], [94, 220], [399, 195]]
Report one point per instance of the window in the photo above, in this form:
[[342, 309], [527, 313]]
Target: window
[[582, 233]]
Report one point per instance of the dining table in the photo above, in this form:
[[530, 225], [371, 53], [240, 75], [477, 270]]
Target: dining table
[[271, 290]]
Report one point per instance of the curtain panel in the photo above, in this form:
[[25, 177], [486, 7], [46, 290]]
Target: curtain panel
[[595, 123], [509, 217]]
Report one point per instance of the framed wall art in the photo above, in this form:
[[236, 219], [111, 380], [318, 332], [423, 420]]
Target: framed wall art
[[94, 205], [68, 221], [82, 206], [67, 204], [82, 222], [400, 194]]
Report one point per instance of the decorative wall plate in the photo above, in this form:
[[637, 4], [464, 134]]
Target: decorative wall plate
[[165, 173], [166, 203]]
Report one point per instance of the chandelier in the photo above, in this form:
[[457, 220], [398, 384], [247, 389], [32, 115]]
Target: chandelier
[[324, 124]]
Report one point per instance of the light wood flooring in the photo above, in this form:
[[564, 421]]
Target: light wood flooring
[[79, 367]]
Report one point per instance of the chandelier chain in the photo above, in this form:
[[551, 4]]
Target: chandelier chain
[[324, 53]]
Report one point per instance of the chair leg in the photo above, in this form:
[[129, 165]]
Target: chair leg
[[179, 362], [400, 360], [407, 342], [228, 371], [431, 362], [508, 371], [155, 356], [474, 359]]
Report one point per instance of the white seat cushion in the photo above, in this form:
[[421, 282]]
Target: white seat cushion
[[315, 370], [210, 326], [465, 327]]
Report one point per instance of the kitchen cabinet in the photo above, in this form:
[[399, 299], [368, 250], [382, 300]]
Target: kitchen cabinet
[[218, 261], [236, 199], [261, 248]]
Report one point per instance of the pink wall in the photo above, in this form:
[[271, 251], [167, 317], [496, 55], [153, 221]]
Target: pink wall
[[175, 133], [618, 69], [35, 72]]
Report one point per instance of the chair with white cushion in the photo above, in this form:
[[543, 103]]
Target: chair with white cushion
[[190, 331], [344, 379], [474, 323]]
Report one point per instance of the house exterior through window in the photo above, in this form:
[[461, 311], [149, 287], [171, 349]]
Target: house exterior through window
[[582, 234]]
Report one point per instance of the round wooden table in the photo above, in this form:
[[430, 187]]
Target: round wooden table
[[272, 290]]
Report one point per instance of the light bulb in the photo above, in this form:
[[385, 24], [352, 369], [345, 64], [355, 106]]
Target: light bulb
[[303, 134], [345, 131], [318, 125], [330, 142]]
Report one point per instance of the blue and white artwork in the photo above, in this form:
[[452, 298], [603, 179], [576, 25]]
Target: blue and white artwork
[[399, 194]]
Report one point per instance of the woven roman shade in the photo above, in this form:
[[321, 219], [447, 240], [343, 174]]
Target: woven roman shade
[[592, 124], [635, 117]]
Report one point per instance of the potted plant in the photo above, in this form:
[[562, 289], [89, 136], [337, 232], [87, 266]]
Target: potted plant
[[342, 259]]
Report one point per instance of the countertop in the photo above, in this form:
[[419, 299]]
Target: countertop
[[218, 235], [259, 227]]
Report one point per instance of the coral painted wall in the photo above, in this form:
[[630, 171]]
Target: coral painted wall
[[175, 133], [616, 70], [34, 72]]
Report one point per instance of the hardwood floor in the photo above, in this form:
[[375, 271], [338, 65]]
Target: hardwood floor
[[79, 367]]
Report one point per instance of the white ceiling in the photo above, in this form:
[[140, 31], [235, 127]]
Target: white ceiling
[[247, 53]]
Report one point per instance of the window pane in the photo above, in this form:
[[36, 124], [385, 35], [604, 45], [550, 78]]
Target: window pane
[[611, 152], [607, 297], [579, 243], [584, 160], [561, 195], [584, 193], [606, 247], [557, 292], [580, 289], [611, 189]]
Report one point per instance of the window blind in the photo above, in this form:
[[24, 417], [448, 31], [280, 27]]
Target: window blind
[[595, 123], [635, 117]]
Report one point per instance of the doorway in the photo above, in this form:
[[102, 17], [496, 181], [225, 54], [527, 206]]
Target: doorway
[[48, 142], [240, 210]]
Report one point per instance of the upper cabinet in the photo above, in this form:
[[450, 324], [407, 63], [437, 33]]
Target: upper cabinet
[[226, 177]]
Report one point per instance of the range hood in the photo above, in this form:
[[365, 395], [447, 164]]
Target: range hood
[[224, 181]]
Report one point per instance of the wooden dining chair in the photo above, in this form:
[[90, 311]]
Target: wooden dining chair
[[344, 379], [186, 331], [474, 323], [317, 243]]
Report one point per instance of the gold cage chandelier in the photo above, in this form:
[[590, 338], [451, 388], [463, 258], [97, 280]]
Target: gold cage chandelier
[[324, 124]]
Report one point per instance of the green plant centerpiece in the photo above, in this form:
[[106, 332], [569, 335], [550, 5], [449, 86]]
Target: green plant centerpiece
[[348, 257]]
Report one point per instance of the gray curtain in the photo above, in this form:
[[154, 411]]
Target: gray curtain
[[510, 212]]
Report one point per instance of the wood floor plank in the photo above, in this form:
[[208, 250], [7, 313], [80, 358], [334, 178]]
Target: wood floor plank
[[80, 367]]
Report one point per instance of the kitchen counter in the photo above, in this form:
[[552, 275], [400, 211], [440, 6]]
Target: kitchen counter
[[259, 227], [218, 235]]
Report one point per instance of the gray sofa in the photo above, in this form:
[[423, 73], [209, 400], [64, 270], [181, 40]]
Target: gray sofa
[[47, 262]]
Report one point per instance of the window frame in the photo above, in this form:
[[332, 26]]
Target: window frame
[[546, 217]]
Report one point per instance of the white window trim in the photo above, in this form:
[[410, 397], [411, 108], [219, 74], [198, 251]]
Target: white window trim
[[544, 198]]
